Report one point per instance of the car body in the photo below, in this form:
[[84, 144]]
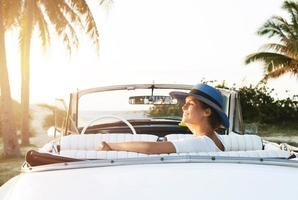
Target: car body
[[72, 167]]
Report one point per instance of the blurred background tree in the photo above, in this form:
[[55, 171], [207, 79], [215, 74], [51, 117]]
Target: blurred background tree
[[16, 108], [9, 12], [51, 18]]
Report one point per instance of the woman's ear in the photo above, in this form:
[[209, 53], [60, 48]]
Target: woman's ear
[[207, 112]]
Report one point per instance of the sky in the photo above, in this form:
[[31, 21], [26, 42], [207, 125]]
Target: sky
[[161, 41]]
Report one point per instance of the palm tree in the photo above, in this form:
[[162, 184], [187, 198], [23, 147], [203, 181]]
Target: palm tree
[[9, 10], [281, 57], [64, 16]]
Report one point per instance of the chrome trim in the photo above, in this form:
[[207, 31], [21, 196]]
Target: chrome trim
[[162, 160], [133, 87]]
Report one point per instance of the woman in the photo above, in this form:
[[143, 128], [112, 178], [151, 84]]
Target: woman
[[202, 114]]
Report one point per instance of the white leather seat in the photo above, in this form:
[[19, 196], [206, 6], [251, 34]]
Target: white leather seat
[[92, 141], [232, 142], [86, 146]]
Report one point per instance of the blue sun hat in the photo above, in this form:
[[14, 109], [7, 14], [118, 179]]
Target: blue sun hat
[[207, 94]]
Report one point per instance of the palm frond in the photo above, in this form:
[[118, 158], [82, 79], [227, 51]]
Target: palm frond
[[279, 48], [292, 8], [286, 28], [272, 28], [12, 10], [82, 7], [63, 27], [281, 57], [276, 73], [275, 67], [66, 16], [42, 27], [68, 11], [268, 58]]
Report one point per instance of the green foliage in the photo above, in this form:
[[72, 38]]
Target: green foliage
[[9, 168], [277, 129], [165, 110], [259, 106], [16, 106]]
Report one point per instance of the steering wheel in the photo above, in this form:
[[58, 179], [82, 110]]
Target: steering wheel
[[110, 116]]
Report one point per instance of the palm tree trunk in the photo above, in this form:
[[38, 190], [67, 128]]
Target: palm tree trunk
[[8, 129], [25, 71]]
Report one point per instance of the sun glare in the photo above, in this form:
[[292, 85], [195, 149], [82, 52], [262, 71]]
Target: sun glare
[[132, 50], [13, 63]]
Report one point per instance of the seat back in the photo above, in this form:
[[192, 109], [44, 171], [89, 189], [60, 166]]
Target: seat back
[[86, 146], [92, 141], [232, 142]]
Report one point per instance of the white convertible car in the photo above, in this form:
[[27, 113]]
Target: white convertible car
[[72, 167]]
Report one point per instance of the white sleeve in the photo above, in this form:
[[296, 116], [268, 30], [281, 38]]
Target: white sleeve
[[197, 144]]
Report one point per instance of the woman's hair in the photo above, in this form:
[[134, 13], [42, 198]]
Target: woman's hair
[[214, 118]]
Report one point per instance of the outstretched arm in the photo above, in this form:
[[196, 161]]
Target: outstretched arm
[[140, 147]]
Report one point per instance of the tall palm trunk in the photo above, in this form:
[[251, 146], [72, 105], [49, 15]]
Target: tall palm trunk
[[8, 129], [25, 71]]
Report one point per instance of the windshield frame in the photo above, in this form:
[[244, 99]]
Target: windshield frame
[[75, 97]]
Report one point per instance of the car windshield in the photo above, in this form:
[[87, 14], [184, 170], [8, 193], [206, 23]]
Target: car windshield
[[124, 103]]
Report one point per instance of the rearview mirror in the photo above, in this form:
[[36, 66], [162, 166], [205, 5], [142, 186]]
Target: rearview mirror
[[155, 100]]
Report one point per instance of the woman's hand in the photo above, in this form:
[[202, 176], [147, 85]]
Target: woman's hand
[[105, 147]]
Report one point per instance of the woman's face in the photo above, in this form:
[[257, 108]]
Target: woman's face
[[193, 113]]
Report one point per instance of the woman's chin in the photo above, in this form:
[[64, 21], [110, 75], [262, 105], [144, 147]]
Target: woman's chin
[[184, 120]]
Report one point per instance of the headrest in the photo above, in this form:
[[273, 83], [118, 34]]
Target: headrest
[[235, 142]]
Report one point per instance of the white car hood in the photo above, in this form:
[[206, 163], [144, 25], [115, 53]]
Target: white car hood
[[157, 181]]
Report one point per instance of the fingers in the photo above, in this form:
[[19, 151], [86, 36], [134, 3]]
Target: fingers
[[105, 146]]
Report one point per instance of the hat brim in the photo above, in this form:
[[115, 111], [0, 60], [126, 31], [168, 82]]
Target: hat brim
[[180, 96]]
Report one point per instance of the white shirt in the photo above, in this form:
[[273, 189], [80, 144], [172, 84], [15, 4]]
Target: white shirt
[[196, 144]]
